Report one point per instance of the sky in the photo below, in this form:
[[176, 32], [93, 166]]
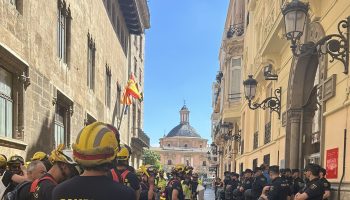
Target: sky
[[181, 62]]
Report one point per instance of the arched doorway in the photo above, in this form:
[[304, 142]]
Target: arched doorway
[[304, 130]]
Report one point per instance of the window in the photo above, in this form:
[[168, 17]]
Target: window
[[235, 80], [108, 81], [135, 66], [140, 76], [200, 146], [185, 145], [267, 159], [91, 63], [119, 96], [169, 162], [63, 30], [168, 145], [64, 109], [134, 128], [255, 163], [204, 163], [6, 103], [141, 46], [139, 118], [187, 163]]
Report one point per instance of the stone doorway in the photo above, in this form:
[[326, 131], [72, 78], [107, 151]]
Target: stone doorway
[[304, 128]]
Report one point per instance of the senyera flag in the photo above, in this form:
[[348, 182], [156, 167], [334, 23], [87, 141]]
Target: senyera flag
[[131, 90]]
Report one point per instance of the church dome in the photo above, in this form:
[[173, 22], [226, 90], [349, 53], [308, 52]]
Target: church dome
[[184, 129]]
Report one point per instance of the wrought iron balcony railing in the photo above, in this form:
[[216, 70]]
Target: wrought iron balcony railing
[[315, 138], [235, 30], [267, 137]]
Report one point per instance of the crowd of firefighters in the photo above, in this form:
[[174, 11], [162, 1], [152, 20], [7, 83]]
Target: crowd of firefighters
[[97, 167]]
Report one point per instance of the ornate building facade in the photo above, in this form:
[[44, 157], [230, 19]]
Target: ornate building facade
[[312, 90], [183, 145], [64, 67]]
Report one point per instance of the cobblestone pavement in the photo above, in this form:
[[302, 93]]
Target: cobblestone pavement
[[209, 194]]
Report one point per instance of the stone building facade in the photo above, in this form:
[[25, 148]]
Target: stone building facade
[[314, 93], [64, 64], [183, 145]]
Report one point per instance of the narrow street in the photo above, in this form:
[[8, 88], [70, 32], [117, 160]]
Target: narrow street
[[209, 194]]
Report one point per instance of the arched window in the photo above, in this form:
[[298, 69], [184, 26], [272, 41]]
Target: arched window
[[185, 145], [168, 145]]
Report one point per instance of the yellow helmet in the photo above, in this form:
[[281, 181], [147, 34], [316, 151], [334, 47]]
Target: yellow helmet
[[124, 152], [3, 160], [96, 144], [62, 155], [39, 156]]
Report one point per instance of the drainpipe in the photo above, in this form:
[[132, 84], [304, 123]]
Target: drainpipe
[[343, 173]]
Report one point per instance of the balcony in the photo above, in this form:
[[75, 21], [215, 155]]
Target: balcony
[[235, 30], [136, 15], [256, 140], [315, 137], [267, 137], [141, 139]]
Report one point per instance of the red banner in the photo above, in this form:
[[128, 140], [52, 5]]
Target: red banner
[[332, 163]]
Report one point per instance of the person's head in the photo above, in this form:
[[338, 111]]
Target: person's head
[[3, 163], [234, 176], [282, 172], [248, 173], [123, 156], [64, 167], [295, 173], [288, 172], [312, 171], [274, 172], [36, 169], [43, 157], [96, 147], [257, 171], [264, 167], [195, 177], [14, 164], [323, 172]]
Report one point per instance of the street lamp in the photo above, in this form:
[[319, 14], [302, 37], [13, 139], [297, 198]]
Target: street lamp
[[336, 45], [274, 103]]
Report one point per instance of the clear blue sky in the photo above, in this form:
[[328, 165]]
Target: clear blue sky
[[182, 48]]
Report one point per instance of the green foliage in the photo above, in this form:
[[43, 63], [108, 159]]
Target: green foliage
[[151, 158]]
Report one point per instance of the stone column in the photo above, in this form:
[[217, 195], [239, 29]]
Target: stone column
[[294, 117]]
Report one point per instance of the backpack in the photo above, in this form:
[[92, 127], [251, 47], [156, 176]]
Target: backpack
[[13, 195], [117, 178]]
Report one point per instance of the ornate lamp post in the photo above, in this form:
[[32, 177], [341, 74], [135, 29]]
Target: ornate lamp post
[[336, 45], [274, 103]]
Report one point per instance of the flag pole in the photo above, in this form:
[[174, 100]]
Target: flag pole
[[121, 116]]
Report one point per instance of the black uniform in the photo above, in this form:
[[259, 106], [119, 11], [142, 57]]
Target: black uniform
[[91, 187], [314, 189], [131, 180], [279, 189], [43, 191], [175, 184], [326, 184], [258, 185], [298, 185], [144, 191], [248, 183]]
